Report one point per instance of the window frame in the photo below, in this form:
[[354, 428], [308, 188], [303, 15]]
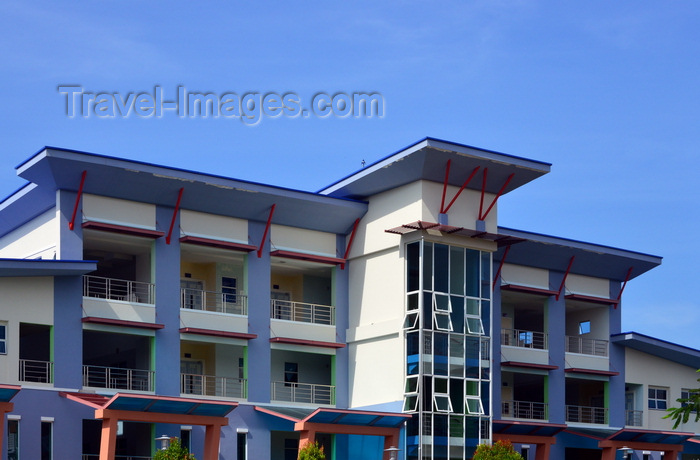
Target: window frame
[[3, 338], [655, 399]]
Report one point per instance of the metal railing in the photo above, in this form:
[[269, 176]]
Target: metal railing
[[633, 417], [524, 339], [210, 385], [302, 312], [586, 346], [118, 378], [583, 414], [524, 409], [310, 393], [220, 302], [116, 289], [485, 346], [35, 371]]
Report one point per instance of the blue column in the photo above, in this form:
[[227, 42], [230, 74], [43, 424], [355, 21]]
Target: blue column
[[341, 303], [68, 332], [617, 363], [496, 380], [167, 280], [556, 330], [70, 242], [259, 358]]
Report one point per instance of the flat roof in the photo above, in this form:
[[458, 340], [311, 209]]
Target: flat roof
[[663, 349], [427, 160], [42, 267]]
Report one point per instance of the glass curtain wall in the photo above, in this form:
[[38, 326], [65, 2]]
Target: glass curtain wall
[[447, 328]]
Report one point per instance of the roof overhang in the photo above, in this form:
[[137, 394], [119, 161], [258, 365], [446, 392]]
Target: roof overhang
[[427, 160], [554, 253], [329, 416], [667, 350], [39, 267], [507, 427], [7, 392], [54, 168]]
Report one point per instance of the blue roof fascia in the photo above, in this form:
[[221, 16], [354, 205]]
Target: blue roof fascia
[[426, 142], [43, 267], [658, 347]]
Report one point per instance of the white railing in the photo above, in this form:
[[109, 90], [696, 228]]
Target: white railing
[[586, 346], [582, 414], [221, 302], [633, 417], [35, 371], [209, 385], [524, 409], [118, 378], [302, 312], [524, 339], [303, 393], [116, 289]]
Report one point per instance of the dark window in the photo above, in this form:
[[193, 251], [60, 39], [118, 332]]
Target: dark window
[[241, 440], [413, 266], [291, 373], [46, 440], [12, 439]]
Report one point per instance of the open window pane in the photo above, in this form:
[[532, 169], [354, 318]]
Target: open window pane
[[441, 302], [410, 403], [442, 403], [412, 384], [411, 321], [442, 321], [473, 406], [474, 326]]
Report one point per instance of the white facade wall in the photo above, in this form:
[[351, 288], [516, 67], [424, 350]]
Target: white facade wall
[[22, 300], [119, 212], [587, 285], [303, 240], [525, 276], [199, 224], [465, 210], [653, 371], [35, 239]]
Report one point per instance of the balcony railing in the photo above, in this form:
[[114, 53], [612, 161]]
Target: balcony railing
[[220, 302], [524, 409], [302, 312], [116, 289], [524, 339], [116, 457], [35, 371], [209, 385], [586, 346], [118, 378], [303, 393], [633, 417], [582, 414]]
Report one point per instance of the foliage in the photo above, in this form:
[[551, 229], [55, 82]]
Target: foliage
[[501, 450], [312, 451], [175, 451], [688, 407]]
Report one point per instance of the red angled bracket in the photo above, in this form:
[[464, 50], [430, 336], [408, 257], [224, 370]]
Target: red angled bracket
[[71, 224], [443, 209], [172, 222], [566, 274], [627, 278], [267, 229], [352, 238], [483, 215], [500, 267]]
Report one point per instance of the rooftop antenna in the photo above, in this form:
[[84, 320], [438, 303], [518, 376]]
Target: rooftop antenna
[[363, 163]]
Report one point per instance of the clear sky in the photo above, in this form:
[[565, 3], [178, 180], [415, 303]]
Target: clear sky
[[605, 91]]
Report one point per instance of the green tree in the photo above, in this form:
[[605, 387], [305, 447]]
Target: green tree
[[312, 451], [688, 407], [175, 451], [501, 450]]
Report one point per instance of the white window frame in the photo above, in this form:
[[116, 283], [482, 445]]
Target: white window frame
[[480, 409], [657, 399], [584, 327], [411, 320], [442, 397], [3, 338]]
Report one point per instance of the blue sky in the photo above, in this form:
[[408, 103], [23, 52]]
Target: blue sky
[[605, 91]]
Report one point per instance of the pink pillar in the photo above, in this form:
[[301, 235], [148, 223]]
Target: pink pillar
[[212, 437], [108, 440]]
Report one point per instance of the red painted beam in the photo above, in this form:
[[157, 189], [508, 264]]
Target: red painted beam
[[267, 229], [483, 192], [566, 274], [461, 189], [627, 278], [352, 238], [493, 203], [71, 224], [172, 222], [500, 267], [444, 186]]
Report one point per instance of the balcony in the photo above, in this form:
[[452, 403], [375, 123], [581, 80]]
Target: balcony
[[209, 385], [634, 417], [524, 339], [302, 312], [583, 414], [524, 410], [35, 371], [586, 346], [219, 302], [118, 378], [308, 393], [118, 289]]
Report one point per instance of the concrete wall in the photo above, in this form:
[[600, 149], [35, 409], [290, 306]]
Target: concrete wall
[[193, 223], [119, 212], [525, 276], [35, 239]]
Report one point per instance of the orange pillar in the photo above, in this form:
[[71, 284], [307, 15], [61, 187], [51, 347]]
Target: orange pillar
[[542, 451], [670, 454], [212, 437], [390, 441], [306, 437], [5, 407], [108, 440]]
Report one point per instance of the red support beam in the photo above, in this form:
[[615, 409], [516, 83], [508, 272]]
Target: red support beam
[[71, 224], [172, 222], [352, 238], [493, 203], [444, 186], [500, 267], [267, 229], [627, 278], [566, 274], [483, 192], [461, 189]]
